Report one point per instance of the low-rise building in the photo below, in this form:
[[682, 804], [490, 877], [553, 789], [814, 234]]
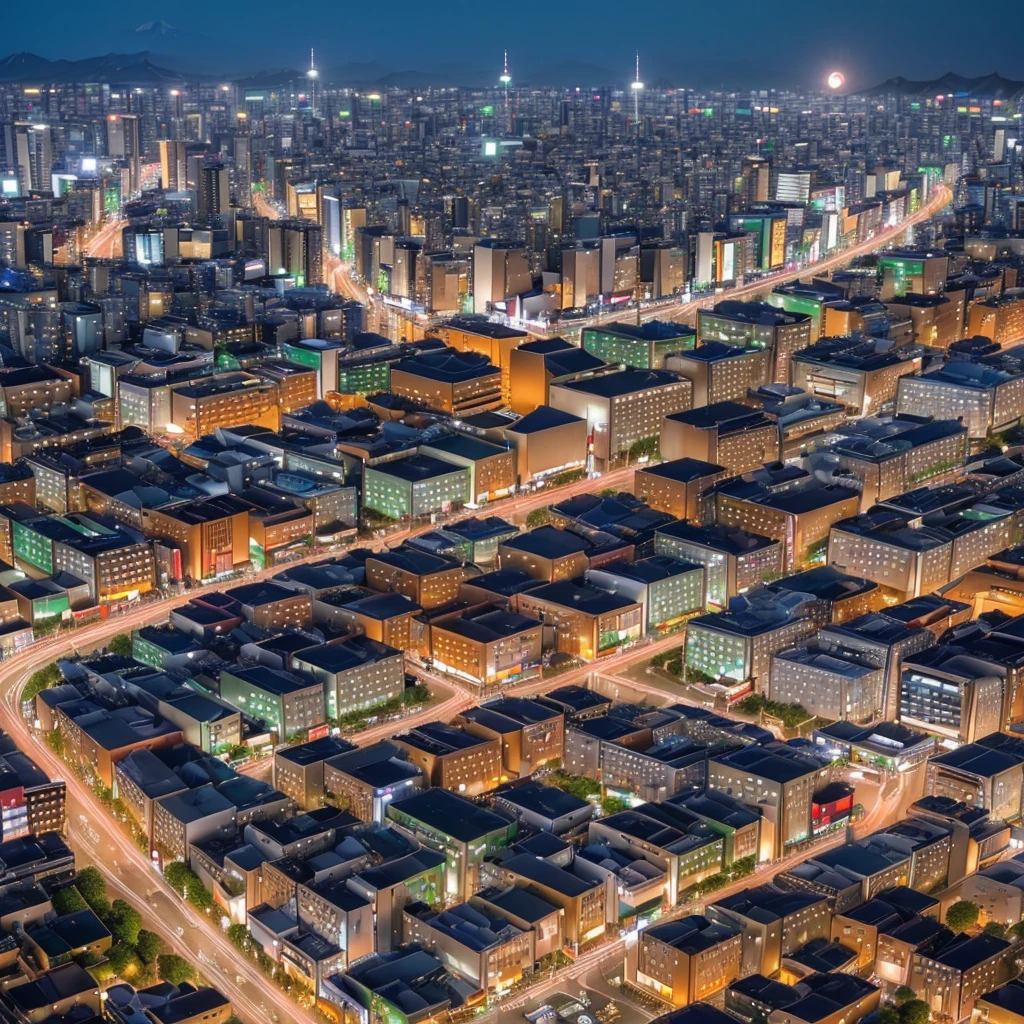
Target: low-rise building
[[531, 733], [453, 759], [356, 673], [773, 923], [489, 952], [733, 560], [583, 620], [623, 408], [780, 784], [415, 485], [684, 961], [456, 827], [288, 704], [724, 433], [486, 646], [298, 771], [669, 591], [365, 780]]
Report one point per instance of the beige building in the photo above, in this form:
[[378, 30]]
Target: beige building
[[676, 487], [623, 408], [1000, 318], [547, 442], [686, 961], [727, 434], [485, 646], [722, 373], [211, 536], [453, 759], [229, 400], [580, 619], [536, 365], [477, 334], [546, 553], [429, 580]]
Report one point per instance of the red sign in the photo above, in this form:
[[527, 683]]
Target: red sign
[[318, 732]]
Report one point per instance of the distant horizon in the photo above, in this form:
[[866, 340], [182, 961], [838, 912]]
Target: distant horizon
[[373, 70], [739, 48]]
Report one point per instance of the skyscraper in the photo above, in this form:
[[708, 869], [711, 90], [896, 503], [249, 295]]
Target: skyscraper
[[173, 165]]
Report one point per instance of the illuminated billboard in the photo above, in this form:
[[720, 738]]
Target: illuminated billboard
[[778, 242]]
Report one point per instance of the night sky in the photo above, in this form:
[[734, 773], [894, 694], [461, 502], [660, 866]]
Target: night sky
[[743, 43]]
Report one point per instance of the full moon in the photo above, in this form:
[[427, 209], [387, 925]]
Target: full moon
[[835, 80]]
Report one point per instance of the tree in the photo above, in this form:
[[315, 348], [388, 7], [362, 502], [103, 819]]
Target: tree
[[538, 517], [888, 1015], [649, 446], [238, 936], [613, 805], [577, 785], [962, 915], [68, 901], [41, 680], [914, 1012], [188, 884], [55, 741], [149, 946], [903, 994], [996, 929], [121, 645], [178, 876], [123, 959], [1017, 930], [124, 922], [94, 890], [174, 969]]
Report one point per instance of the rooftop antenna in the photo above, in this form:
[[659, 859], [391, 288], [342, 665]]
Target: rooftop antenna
[[506, 80]]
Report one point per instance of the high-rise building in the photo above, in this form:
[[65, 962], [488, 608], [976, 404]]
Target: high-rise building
[[501, 270], [173, 165], [213, 191]]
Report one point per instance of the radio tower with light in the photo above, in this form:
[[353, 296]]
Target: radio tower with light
[[506, 80], [312, 74], [638, 87]]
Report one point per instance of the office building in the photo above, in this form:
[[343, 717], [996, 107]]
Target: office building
[[983, 397], [452, 759], [457, 828], [450, 381], [721, 373], [415, 485], [547, 441], [736, 646], [583, 620], [366, 779], [733, 560], [860, 373], [787, 503], [757, 325], [535, 366], [677, 486], [623, 408], [501, 271], [640, 347], [727, 434], [487, 646]]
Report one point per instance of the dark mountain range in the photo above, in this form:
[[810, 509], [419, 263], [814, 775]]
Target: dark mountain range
[[120, 68], [987, 87]]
